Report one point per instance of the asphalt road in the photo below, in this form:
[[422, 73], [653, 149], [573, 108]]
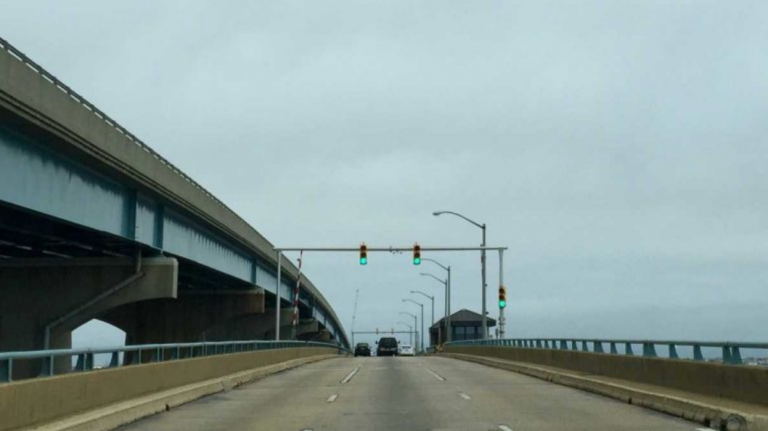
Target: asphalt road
[[429, 393]]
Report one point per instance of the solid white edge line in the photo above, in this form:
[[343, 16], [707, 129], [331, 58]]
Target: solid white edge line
[[504, 428], [332, 398], [465, 396], [349, 376], [437, 376]]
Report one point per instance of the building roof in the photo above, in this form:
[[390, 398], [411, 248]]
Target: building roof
[[465, 317]]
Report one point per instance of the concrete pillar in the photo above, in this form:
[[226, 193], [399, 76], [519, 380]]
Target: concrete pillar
[[307, 326], [186, 319], [268, 323], [37, 293]]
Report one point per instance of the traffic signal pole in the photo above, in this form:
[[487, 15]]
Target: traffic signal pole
[[502, 319], [277, 295], [417, 249]]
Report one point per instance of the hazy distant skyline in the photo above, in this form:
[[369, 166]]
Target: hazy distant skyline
[[617, 148]]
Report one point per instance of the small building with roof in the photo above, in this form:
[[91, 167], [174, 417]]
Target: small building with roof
[[465, 325]]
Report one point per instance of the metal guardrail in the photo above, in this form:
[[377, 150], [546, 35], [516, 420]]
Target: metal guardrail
[[154, 352], [731, 351]]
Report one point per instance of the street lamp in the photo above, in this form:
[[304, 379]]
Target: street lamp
[[447, 283], [431, 298], [410, 331], [415, 326], [482, 260], [421, 343]]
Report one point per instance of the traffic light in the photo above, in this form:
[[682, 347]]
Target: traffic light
[[416, 254], [363, 254], [502, 297]]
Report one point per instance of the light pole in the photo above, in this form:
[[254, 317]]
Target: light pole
[[482, 260], [421, 341], [431, 298], [410, 333], [447, 283], [447, 302], [415, 326]]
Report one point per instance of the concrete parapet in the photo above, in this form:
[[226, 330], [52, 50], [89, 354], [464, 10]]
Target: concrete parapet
[[39, 401], [731, 382]]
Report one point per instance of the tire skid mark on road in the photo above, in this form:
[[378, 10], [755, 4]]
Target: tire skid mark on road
[[437, 376], [349, 376]]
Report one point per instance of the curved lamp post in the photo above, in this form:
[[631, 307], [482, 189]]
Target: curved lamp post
[[421, 341], [447, 283], [410, 329], [431, 298], [415, 325], [482, 260], [447, 302]]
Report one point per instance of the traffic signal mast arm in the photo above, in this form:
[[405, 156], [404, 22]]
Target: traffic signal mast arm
[[386, 249]]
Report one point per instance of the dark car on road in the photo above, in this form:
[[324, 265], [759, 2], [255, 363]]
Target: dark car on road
[[387, 346], [362, 349]]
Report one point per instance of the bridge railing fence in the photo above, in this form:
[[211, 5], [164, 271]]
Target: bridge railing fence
[[85, 359], [729, 352]]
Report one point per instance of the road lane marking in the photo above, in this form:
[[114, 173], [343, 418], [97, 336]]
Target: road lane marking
[[349, 376], [332, 398], [705, 429], [465, 396], [437, 376], [504, 428]]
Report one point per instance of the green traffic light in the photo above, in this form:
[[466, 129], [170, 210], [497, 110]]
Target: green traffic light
[[417, 261], [363, 261], [502, 304]]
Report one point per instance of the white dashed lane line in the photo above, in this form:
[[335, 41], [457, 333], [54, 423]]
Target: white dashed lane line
[[332, 398], [504, 428], [437, 376], [465, 396], [349, 376]]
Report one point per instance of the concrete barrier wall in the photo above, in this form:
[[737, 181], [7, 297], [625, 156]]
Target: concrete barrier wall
[[737, 383], [37, 401]]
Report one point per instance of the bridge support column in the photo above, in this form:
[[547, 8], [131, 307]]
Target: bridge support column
[[286, 318], [307, 326], [55, 296], [190, 318]]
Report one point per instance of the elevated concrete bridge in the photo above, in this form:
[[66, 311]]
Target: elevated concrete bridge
[[95, 224]]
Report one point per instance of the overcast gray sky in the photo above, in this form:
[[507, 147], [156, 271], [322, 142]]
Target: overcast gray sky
[[617, 147]]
